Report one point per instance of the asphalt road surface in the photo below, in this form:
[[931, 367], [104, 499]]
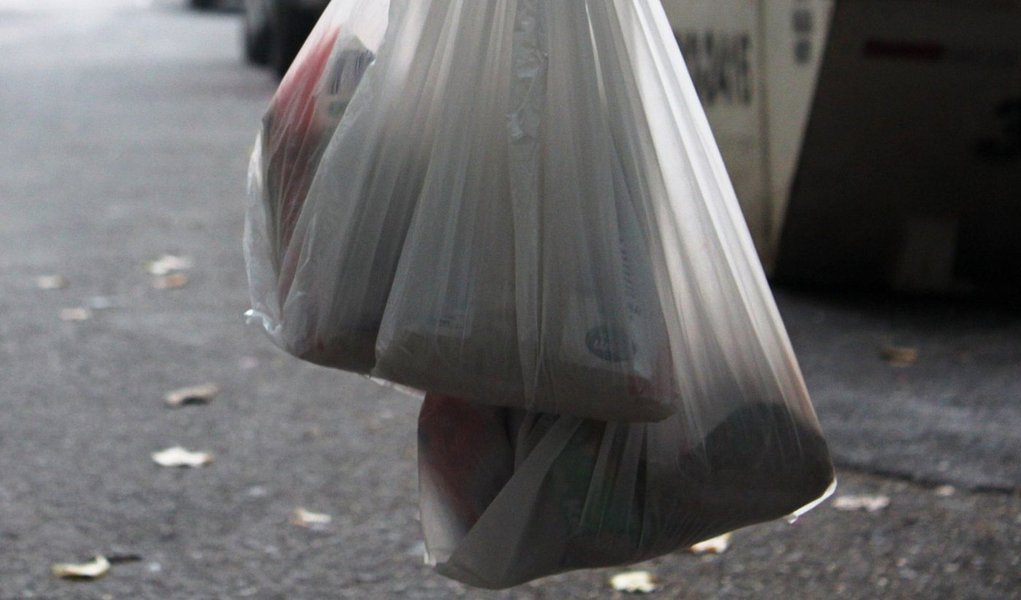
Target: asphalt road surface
[[125, 127]]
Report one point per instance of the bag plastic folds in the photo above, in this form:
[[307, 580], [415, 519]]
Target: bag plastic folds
[[507, 496], [518, 205], [517, 202], [311, 317]]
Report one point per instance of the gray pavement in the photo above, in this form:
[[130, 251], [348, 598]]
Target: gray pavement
[[953, 415], [124, 132]]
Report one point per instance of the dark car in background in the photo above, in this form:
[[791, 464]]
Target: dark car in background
[[215, 4], [274, 30]]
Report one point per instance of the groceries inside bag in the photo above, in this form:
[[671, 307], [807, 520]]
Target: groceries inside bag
[[519, 203], [522, 205], [310, 317], [527, 276], [507, 496]]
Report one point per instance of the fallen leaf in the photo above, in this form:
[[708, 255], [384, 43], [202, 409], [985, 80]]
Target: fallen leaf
[[172, 281], [168, 263], [867, 503], [52, 282], [634, 582], [179, 457], [945, 491], [310, 520], [93, 570], [75, 314], [198, 394], [716, 545], [900, 356]]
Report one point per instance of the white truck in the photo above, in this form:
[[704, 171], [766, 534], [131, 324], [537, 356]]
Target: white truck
[[755, 64], [871, 142]]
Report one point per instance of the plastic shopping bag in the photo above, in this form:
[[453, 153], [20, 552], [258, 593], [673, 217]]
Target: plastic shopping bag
[[303, 117], [507, 496], [577, 247], [526, 276], [523, 205]]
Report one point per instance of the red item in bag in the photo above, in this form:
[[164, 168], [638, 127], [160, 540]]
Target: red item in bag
[[304, 114]]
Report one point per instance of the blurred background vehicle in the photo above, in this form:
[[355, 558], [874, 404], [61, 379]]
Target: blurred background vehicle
[[872, 144], [215, 4], [274, 30]]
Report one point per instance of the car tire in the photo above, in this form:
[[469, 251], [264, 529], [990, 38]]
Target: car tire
[[288, 29]]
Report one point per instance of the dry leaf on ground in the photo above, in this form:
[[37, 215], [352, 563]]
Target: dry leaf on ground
[[75, 314], [168, 263], [198, 394], [310, 520], [867, 503], [94, 570], [634, 582], [716, 545], [180, 457], [51, 282]]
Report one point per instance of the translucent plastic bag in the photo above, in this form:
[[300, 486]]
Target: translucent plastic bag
[[507, 496], [301, 122], [519, 202], [523, 205], [577, 247], [526, 277]]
